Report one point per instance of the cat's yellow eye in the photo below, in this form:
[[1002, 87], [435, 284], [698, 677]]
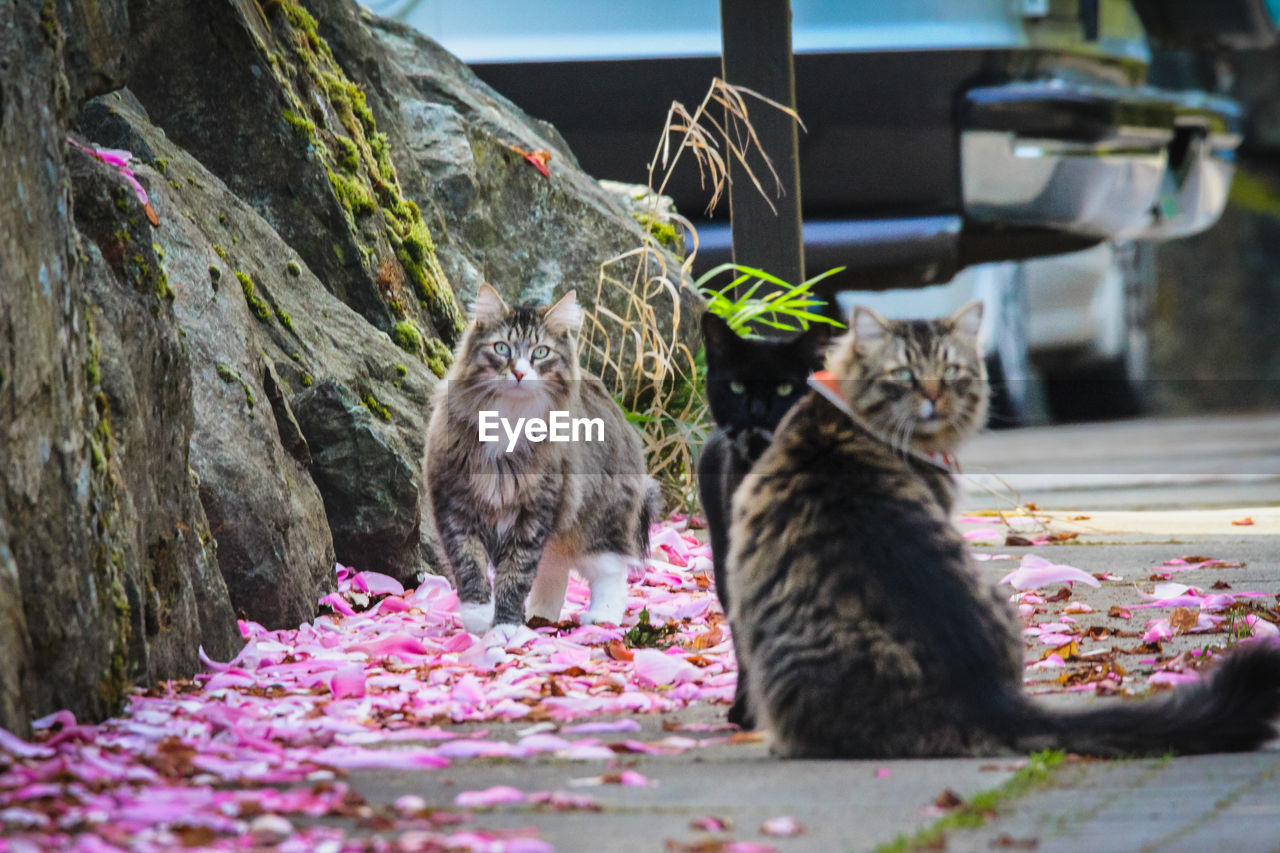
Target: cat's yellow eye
[[902, 374], [502, 348], [541, 352], [737, 387], [950, 372], [784, 389]]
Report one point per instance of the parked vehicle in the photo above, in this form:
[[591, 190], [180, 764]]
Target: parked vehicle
[[941, 136]]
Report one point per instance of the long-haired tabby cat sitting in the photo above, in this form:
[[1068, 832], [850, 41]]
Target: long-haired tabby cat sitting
[[751, 384], [864, 629], [538, 508]]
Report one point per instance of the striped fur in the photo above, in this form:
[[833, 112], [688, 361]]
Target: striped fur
[[544, 508], [865, 631]]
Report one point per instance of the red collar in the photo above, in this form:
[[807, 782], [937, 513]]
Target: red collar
[[826, 384]]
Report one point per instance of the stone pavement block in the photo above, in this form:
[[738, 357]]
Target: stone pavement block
[[1198, 803]]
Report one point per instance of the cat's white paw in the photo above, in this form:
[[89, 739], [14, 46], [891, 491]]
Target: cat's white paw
[[476, 618], [607, 577], [502, 634], [608, 602]]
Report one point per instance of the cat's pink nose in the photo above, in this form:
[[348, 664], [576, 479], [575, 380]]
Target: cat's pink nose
[[518, 374], [932, 388]]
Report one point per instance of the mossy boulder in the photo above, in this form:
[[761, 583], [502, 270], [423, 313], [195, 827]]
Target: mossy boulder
[[494, 217], [107, 575], [274, 474], [256, 94]]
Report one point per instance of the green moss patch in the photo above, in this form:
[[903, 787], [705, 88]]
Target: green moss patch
[[226, 374], [981, 807], [259, 308], [381, 222], [407, 336], [371, 403]]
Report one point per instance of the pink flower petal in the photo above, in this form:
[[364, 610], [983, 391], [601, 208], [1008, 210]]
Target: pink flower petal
[[396, 644], [376, 584], [16, 746], [497, 795], [632, 779], [623, 725], [338, 604], [1036, 572], [658, 668], [348, 681], [781, 827]]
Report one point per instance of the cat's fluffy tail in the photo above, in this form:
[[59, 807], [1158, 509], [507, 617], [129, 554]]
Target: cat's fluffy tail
[[1234, 709], [650, 513]]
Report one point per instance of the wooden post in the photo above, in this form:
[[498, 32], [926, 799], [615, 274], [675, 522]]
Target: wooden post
[[756, 53]]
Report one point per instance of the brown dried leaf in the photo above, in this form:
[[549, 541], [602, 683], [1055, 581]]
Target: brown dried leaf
[[1067, 651], [708, 639], [1061, 595], [195, 836], [617, 650], [948, 799], [1182, 619], [1220, 585], [746, 737], [1118, 612], [1012, 541]]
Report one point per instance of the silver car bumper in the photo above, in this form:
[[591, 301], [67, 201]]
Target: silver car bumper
[[1095, 160]]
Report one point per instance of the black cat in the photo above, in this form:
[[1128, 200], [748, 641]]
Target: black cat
[[751, 384]]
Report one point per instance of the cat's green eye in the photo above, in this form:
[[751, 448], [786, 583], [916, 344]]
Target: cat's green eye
[[950, 372], [542, 352], [502, 348], [737, 387], [902, 374], [784, 389]]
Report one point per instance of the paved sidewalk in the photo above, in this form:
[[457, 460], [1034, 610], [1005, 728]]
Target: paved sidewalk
[[1224, 802]]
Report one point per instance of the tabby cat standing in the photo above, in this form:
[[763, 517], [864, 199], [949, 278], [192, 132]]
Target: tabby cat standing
[[534, 509]]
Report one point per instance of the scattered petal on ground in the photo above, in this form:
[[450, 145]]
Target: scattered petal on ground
[[497, 795], [253, 750], [1037, 572], [781, 827], [194, 762]]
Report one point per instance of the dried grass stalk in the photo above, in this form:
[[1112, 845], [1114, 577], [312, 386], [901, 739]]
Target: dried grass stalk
[[652, 374]]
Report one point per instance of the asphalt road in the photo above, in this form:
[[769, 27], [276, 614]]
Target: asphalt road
[[1200, 475]]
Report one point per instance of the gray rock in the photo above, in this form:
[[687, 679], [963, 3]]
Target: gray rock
[[259, 99], [310, 421], [495, 218], [95, 47], [198, 418], [105, 574]]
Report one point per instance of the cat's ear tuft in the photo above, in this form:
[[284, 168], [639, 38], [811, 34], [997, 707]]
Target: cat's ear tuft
[[867, 325], [565, 317], [968, 320], [489, 307], [715, 331]]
